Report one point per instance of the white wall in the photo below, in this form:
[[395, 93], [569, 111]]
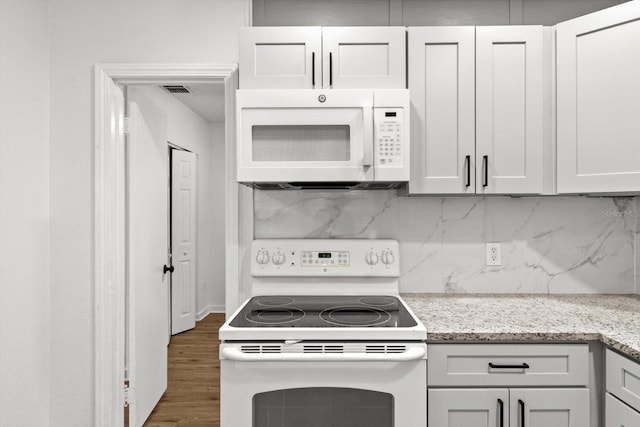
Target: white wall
[[82, 34], [24, 214], [191, 131]]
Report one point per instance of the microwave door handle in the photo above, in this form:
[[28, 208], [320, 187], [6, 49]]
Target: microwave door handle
[[368, 133]]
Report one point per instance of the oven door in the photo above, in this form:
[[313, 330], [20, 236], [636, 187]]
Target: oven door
[[352, 389], [304, 136]]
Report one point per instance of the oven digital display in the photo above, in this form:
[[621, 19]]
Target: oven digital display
[[324, 255]]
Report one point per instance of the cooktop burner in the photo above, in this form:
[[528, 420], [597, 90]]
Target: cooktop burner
[[313, 311]]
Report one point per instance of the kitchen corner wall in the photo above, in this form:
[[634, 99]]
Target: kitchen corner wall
[[549, 244], [24, 214], [636, 214]]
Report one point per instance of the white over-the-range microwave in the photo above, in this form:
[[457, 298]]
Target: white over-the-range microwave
[[323, 139]]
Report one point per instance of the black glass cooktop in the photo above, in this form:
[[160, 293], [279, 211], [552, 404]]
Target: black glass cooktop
[[312, 311]]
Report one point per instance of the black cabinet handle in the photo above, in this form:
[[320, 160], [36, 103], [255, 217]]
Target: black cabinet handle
[[330, 69], [468, 162], [485, 171], [313, 69], [501, 409], [521, 404], [520, 366], [167, 268]]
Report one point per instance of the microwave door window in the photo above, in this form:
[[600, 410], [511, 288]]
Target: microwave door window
[[301, 143]]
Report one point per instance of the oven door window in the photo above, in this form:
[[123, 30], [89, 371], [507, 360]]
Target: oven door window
[[323, 407]]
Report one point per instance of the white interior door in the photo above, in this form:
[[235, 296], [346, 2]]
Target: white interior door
[[183, 245], [148, 253]]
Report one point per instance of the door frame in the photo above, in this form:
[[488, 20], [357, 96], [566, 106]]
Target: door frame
[[110, 217]]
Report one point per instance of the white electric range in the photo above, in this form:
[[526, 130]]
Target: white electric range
[[325, 340]]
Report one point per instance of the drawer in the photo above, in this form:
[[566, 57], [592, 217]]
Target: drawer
[[623, 379], [617, 414], [513, 365]]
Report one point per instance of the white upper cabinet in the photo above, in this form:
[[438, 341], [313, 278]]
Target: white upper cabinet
[[509, 109], [442, 87], [364, 57], [280, 57], [598, 101], [316, 57], [478, 107]]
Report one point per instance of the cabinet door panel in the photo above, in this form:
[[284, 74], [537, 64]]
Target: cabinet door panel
[[442, 84], [364, 57], [617, 414], [280, 57], [509, 109], [549, 407], [623, 379], [598, 101], [468, 407]]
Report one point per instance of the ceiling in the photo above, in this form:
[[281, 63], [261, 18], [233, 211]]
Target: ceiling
[[206, 99]]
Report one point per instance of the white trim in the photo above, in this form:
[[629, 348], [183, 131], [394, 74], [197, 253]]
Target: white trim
[[110, 220], [208, 310]]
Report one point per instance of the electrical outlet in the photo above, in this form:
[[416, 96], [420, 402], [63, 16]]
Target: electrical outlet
[[494, 257]]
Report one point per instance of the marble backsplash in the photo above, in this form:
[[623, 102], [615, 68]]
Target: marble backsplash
[[549, 244]]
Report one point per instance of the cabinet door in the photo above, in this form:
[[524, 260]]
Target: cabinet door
[[509, 109], [617, 414], [468, 407], [549, 407], [442, 86], [364, 57], [280, 57], [598, 101]]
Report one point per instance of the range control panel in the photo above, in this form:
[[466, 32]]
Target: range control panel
[[325, 257]]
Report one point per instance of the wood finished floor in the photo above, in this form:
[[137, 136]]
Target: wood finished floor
[[193, 391]]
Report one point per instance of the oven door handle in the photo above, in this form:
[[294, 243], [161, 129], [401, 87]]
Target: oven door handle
[[238, 355]]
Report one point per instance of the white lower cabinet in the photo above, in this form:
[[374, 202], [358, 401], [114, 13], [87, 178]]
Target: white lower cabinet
[[548, 407], [515, 385], [622, 400], [617, 414], [480, 407]]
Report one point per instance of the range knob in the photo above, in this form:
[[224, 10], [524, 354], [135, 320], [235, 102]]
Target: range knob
[[262, 257], [371, 257], [278, 258], [387, 257]]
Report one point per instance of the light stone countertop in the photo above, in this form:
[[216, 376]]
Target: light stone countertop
[[611, 319]]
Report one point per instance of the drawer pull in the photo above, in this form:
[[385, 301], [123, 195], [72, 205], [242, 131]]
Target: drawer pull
[[520, 366]]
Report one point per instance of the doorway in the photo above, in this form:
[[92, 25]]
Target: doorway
[[110, 211], [175, 260]]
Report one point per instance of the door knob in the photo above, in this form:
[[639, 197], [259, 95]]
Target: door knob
[[167, 268]]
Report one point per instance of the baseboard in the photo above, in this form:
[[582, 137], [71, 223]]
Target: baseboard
[[208, 310]]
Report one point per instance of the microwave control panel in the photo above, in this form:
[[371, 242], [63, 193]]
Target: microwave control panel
[[388, 134]]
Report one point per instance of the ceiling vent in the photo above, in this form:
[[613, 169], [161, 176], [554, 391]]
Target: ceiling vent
[[176, 89]]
